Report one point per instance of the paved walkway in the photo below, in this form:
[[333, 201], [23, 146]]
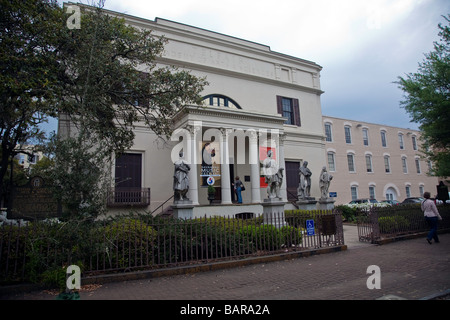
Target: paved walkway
[[409, 269]]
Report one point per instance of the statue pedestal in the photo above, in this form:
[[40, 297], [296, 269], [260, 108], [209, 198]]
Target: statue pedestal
[[326, 204], [273, 212], [308, 203], [183, 209]]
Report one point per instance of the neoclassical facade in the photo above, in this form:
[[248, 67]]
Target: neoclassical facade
[[375, 161], [257, 100]]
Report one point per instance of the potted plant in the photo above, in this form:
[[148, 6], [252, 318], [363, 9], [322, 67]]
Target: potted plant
[[211, 193]]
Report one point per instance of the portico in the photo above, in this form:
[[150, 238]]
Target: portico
[[225, 143]]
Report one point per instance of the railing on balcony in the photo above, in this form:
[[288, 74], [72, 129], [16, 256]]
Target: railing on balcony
[[121, 197]]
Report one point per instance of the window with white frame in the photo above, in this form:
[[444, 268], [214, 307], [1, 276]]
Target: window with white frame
[[365, 133], [400, 141], [383, 138], [348, 134], [372, 192], [328, 132], [421, 190], [331, 162], [418, 165], [354, 191], [408, 191], [369, 163], [351, 162], [404, 165], [414, 142], [387, 165]]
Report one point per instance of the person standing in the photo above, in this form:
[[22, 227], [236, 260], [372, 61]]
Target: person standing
[[238, 188], [432, 216]]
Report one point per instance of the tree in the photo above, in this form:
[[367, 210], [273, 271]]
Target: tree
[[427, 100], [28, 70], [102, 77]]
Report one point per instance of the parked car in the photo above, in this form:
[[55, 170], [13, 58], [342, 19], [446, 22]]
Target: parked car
[[391, 202], [413, 200], [358, 201]]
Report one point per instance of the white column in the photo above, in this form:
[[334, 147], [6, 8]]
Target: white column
[[225, 168], [254, 167], [281, 164], [193, 174]]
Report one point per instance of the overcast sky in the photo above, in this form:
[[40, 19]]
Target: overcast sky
[[362, 45]]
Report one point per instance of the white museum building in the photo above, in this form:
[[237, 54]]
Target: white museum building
[[257, 100]]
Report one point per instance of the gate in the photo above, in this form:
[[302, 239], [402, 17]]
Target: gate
[[367, 224]]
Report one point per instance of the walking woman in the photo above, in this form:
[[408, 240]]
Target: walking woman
[[432, 215]]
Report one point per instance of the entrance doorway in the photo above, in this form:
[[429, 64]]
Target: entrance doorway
[[391, 194]]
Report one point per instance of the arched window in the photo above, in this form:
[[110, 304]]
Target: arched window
[[218, 100]]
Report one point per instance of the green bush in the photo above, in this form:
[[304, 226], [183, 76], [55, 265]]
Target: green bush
[[393, 224]]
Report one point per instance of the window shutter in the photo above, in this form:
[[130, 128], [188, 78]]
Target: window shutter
[[296, 110], [279, 105]]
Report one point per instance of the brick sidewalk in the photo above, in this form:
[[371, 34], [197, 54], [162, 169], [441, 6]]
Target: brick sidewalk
[[410, 269]]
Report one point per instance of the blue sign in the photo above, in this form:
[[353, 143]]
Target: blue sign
[[310, 227], [333, 194]]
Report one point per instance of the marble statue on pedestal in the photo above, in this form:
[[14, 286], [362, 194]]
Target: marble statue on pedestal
[[181, 179], [324, 183]]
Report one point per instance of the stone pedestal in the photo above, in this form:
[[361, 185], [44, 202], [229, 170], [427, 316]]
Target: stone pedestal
[[326, 204], [308, 203], [183, 209], [273, 212]]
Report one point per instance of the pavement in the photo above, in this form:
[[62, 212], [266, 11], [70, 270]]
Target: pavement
[[409, 269]]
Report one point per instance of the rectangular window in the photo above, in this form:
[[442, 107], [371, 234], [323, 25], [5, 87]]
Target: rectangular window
[[329, 137], [369, 162], [365, 133], [400, 141], [348, 135], [418, 166], [421, 191], [408, 191], [351, 163], [354, 191], [331, 163], [289, 108], [404, 165], [387, 166], [383, 139], [372, 192], [414, 143], [288, 112]]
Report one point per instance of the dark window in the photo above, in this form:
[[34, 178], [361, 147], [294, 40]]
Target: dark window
[[289, 108], [129, 170]]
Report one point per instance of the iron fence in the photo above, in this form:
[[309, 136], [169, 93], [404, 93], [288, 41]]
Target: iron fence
[[379, 223], [31, 252]]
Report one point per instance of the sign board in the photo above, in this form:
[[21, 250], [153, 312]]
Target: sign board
[[210, 181], [34, 200], [310, 227], [333, 194], [328, 225]]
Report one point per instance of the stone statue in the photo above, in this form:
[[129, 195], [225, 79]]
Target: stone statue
[[181, 179], [304, 188], [273, 176], [324, 183]]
